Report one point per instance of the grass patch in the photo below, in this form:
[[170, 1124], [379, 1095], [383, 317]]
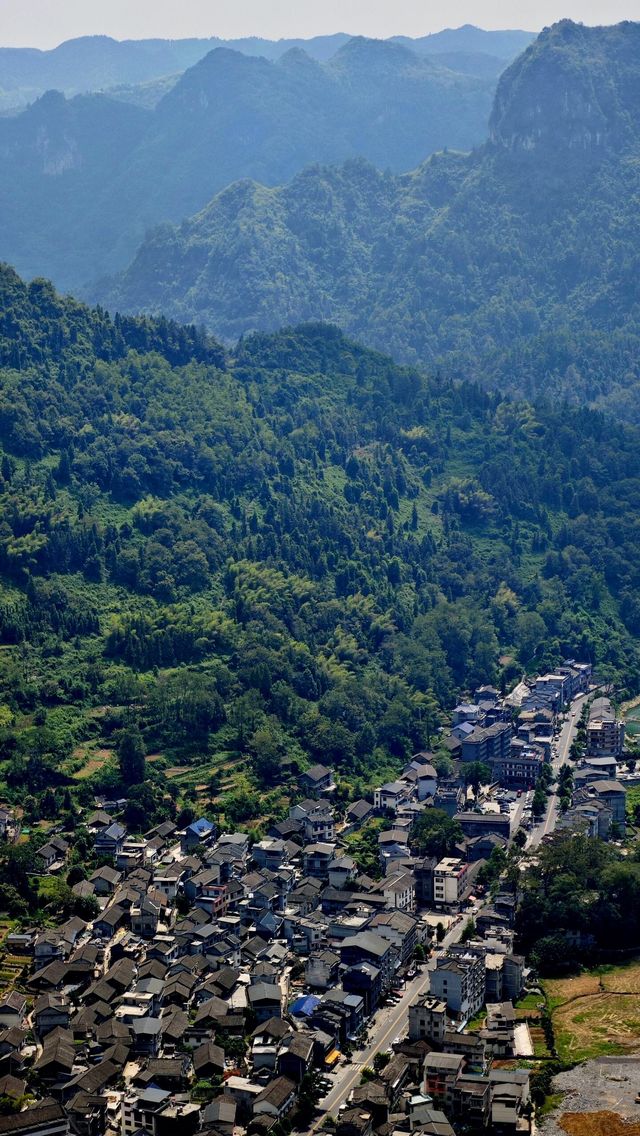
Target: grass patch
[[597, 1013], [478, 1021], [553, 1101], [529, 1006]]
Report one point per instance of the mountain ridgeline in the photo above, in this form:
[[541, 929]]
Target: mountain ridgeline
[[93, 63], [82, 179], [517, 265], [295, 551]]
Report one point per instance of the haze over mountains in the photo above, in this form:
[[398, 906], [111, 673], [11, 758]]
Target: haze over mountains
[[82, 179], [518, 265], [92, 63]]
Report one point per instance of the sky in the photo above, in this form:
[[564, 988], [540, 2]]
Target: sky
[[45, 23]]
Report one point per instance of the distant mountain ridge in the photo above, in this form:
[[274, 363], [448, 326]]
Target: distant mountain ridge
[[92, 63], [83, 179], [518, 265]]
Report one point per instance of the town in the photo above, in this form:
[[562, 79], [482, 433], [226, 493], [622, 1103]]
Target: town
[[229, 986]]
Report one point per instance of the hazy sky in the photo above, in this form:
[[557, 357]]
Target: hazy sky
[[44, 23]]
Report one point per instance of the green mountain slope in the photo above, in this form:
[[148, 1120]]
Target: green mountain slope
[[517, 265], [81, 180], [297, 551]]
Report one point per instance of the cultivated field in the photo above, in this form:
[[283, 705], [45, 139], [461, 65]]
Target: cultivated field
[[596, 1013]]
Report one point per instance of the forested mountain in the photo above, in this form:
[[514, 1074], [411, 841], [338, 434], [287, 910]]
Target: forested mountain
[[518, 265], [82, 179], [294, 551], [94, 63]]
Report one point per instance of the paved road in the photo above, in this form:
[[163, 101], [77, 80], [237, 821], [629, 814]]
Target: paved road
[[389, 1022], [392, 1021], [567, 734]]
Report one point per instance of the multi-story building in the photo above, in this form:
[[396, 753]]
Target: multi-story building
[[613, 794], [488, 744], [316, 859], [459, 980], [427, 1019], [450, 797], [399, 928], [423, 874], [372, 948], [554, 688], [521, 767], [605, 733], [449, 882], [390, 795]]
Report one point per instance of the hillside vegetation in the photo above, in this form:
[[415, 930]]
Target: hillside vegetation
[[298, 551], [82, 179], [516, 266]]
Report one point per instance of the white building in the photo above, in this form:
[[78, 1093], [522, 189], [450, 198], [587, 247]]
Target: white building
[[449, 881]]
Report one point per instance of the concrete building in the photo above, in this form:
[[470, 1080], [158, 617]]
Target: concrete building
[[449, 882], [488, 744], [459, 980], [427, 1019], [605, 733], [522, 765]]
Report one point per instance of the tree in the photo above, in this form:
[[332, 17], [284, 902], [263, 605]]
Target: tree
[[530, 631], [539, 803], [476, 773], [268, 749], [309, 1095], [131, 758], [468, 931], [434, 833]]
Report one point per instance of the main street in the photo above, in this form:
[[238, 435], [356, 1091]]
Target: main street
[[547, 823], [390, 1022]]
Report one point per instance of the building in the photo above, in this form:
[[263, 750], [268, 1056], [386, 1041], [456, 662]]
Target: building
[[488, 744], [479, 824], [426, 781], [46, 1119], [555, 689], [459, 980], [450, 797], [521, 767], [427, 1019], [467, 712], [318, 779], [423, 874], [399, 890], [605, 733], [316, 859], [399, 928], [449, 882], [390, 795], [372, 948], [613, 794], [277, 1099]]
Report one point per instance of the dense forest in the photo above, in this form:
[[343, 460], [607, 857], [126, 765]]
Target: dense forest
[[579, 898], [83, 178], [516, 266], [238, 563]]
